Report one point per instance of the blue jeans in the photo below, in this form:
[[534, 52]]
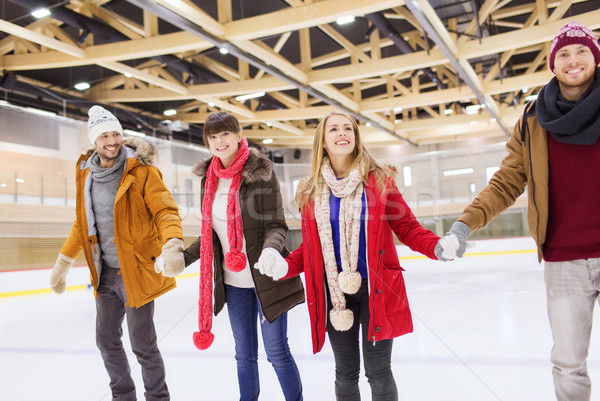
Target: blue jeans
[[572, 289], [244, 312], [377, 356]]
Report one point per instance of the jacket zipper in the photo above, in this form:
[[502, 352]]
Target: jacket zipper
[[314, 284]]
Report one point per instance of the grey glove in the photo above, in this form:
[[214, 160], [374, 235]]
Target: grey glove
[[462, 231], [58, 281]]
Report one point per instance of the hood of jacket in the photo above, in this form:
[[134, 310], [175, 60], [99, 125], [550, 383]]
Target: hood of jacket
[[141, 150], [257, 168]]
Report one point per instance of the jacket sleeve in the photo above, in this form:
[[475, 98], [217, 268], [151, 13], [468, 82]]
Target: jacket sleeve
[[295, 262], [73, 245], [406, 226], [162, 206], [505, 186], [272, 215], [192, 252]]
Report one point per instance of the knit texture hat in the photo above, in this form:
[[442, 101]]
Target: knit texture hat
[[101, 121], [574, 33]]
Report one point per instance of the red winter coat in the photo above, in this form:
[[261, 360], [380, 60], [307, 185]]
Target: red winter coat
[[388, 305]]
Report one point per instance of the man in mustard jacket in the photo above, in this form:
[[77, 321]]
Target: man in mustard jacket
[[555, 152], [124, 215]]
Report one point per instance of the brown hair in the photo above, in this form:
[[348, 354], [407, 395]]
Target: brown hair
[[219, 122], [312, 185]]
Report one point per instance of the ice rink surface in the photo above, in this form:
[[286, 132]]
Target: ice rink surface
[[481, 334]]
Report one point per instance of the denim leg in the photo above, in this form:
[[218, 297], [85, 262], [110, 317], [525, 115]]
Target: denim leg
[[571, 290], [378, 368], [346, 352], [278, 353], [242, 308], [142, 335], [110, 311]]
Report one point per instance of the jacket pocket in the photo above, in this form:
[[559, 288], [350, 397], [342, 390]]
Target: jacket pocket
[[394, 290]]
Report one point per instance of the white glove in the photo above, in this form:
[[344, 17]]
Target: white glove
[[58, 281], [446, 247], [272, 264], [171, 261]]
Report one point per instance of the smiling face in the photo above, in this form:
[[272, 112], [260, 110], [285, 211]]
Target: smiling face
[[224, 145], [574, 66], [339, 137], [108, 146]]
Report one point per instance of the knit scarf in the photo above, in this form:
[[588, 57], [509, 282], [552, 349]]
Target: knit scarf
[[575, 123], [101, 174], [350, 190], [235, 260]]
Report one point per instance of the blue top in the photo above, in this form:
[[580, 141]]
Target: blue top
[[334, 217]]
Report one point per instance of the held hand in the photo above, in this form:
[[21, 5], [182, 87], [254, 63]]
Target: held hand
[[462, 231], [58, 276], [171, 261], [446, 247], [272, 264]]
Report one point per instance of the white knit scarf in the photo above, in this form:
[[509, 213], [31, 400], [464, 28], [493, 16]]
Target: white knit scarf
[[350, 190]]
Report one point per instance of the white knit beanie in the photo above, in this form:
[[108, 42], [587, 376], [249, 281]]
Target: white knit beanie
[[101, 121]]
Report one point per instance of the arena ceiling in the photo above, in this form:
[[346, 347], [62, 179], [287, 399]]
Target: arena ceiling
[[415, 72]]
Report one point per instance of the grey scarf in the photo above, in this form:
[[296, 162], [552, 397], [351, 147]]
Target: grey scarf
[[576, 123], [107, 174]]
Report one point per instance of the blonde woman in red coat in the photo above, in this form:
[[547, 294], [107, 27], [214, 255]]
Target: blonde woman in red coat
[[351, 208]]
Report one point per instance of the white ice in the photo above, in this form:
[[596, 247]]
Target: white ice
[[481, 334]]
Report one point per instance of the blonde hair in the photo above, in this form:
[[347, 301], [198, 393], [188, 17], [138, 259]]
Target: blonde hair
[[312, 185]]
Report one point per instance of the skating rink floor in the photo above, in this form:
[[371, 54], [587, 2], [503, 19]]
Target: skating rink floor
[[481, 334]]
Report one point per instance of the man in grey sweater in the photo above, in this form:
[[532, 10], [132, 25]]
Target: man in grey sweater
[[125, 219]]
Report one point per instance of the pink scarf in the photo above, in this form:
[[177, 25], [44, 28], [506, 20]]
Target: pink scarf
[[235, 260]]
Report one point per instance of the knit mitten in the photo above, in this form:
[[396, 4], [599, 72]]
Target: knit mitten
[[58, 276], [462, 231], [171, 261], [272, 264], [446, 247]]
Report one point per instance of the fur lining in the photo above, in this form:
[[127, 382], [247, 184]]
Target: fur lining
[[144, 151], [258, 167]]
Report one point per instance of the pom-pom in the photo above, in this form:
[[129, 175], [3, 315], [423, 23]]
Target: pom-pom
[[349, 282], [235, 261], [341, 320], [203, 339]]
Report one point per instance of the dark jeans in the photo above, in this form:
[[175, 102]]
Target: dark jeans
[[377, 357], [111, 309], [244, 312]]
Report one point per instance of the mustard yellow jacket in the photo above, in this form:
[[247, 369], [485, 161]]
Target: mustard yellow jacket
[[145, 216], [525, 164]]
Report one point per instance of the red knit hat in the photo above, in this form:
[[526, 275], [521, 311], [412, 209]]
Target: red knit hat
[[574, 33]]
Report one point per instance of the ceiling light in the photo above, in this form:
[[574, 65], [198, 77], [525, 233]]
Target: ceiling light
[[249, 96], [223, 50], [40, 13], [134, 133], [459, 171], [267, 141], [474, 108], [128, 75], [524, 90], [269, 124], [211, 104], [3, 185], [367, 125], [531, 97], [19, 180], [81, 86], [345, 20], [448, 112], [170, 112]]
